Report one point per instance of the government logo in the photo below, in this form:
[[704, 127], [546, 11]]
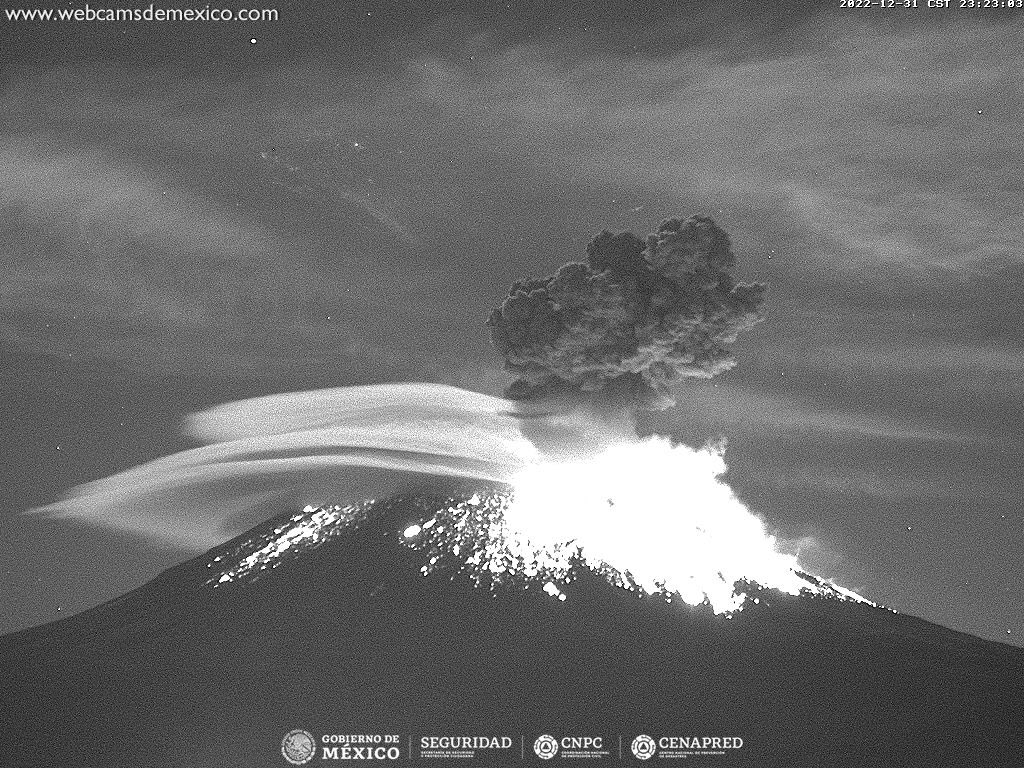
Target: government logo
[[643, 747], [298, 746], [546, 747]]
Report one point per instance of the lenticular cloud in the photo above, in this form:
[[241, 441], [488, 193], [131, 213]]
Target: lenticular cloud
[[266, 455]]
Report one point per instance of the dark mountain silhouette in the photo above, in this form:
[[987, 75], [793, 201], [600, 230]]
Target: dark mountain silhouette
[[348, 636]]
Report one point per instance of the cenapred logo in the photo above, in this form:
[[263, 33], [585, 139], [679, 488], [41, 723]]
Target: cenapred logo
[[298, 746], [546, 747], [643, 747]]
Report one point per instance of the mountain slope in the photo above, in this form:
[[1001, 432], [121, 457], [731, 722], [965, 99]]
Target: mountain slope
[[348, 636]]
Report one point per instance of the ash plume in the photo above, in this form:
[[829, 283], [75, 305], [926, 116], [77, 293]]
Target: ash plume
[[633, 319]]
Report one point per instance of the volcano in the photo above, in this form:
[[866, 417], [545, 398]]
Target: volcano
[[355, 621]]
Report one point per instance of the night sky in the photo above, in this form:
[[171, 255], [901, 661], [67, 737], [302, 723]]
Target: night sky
[[190, 217]]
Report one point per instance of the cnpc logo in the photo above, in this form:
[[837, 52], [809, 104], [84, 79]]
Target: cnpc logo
[[547, 746]]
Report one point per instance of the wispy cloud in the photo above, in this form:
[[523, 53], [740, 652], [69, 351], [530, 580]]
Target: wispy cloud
[[122, 240], [894, 486], [86, 194], [877, 147], [945, 360], [858, 154], [731, 406]]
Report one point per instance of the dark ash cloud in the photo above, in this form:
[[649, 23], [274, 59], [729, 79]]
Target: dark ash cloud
[[633, 319]]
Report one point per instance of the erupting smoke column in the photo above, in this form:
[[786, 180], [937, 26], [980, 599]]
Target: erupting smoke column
[[620, 329], [633, 319]]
